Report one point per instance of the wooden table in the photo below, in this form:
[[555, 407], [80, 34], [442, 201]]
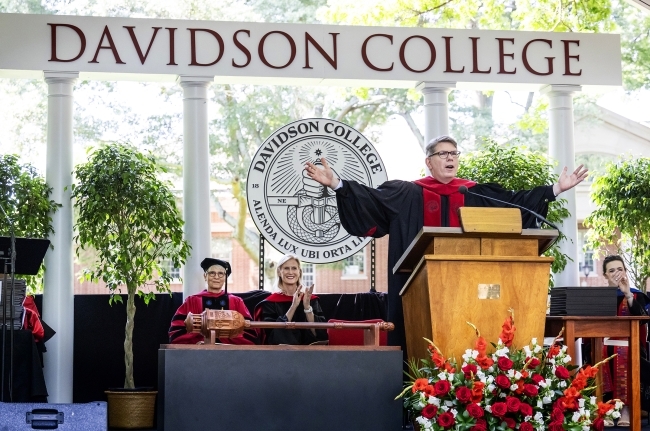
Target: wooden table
[[605, 326]]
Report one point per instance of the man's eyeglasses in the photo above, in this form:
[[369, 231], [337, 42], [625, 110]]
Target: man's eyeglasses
[[216, 274], [444, 154]]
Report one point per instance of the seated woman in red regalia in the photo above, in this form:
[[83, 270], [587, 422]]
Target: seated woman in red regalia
[[214, 298], [291, 304]]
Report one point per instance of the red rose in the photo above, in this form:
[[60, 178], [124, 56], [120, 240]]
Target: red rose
[[502, 381], [555, 426], [513, 404], [499, 409], [481, 425], [533, 363], [526, 409], [537, 378], [557, 415], [446, 420], [598, 424], [510, 422], [442, 387], [469, 370], [530, 390], [475, 411], [463, 394], [562, 373], [504, 363], [526, 426], [429, 411]]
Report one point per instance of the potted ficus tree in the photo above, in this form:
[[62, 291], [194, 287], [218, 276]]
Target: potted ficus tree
[[128, 217]]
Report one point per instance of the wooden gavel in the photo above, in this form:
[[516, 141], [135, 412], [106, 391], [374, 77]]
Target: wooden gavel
[[213, 324]]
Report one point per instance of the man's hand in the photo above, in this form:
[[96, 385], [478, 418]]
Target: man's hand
[[323, 175], [567, 182]]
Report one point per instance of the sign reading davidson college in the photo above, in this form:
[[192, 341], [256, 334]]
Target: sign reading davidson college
[[295, 213], [110, 48]]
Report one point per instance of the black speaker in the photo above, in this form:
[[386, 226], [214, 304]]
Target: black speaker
[[64, 417]]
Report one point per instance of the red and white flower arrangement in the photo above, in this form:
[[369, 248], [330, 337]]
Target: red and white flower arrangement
[[528, 389]]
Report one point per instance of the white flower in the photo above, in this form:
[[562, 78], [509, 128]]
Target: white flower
[[618, 405], [433, 400], [517, 375], [442, 376], [539, 417], [562, 384], [593, 400], [511, 373], [454, 412], [488, 408], [503, 395], [616, 414], [514, 387], [424, 422], [533, 341], [551, 361], [581, 403], [490, 379], [575, 416], [537, 349], [547, 400], [491, 388], [449, 403], [481, 375], [566, 359], [539, 406], [444, 408], [586, 428], [420, 405]]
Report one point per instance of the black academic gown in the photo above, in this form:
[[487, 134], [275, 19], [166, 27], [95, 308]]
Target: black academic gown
[[395, 208], [274, 310]]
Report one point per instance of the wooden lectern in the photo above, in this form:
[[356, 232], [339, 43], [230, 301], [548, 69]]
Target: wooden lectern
[[475, 274]]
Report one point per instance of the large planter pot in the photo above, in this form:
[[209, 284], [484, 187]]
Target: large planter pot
[[131, 409]]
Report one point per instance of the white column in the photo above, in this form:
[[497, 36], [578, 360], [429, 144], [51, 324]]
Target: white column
[[436, 108], [561, 149], [58, 293], [196, 178]]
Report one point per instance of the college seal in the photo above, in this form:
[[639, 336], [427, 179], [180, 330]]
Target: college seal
[[294, 213]]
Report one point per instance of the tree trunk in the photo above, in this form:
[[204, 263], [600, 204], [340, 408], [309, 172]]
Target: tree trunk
[[128, 339]]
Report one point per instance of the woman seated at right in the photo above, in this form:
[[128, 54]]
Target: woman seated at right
[[293, 303]]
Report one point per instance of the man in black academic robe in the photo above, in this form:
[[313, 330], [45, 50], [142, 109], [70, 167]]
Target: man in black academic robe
[[401, 208]]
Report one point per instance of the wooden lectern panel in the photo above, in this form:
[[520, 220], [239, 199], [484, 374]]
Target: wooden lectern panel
[[508, 247], [443, 294], [462, 246], [490, 220]]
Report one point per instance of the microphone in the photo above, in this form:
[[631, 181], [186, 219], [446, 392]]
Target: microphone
[[464, 190]]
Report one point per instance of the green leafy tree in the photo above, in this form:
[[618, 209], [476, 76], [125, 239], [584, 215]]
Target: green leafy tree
[[517, 168], [622, 217], [129, 218], [25, 197]]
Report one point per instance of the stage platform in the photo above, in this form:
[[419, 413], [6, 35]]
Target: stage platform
[[226, 387]]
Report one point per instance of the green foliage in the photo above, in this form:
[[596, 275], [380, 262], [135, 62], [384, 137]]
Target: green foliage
[[129, 218], [516, 168], [634, 26], [622, 217], [25, 197]]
